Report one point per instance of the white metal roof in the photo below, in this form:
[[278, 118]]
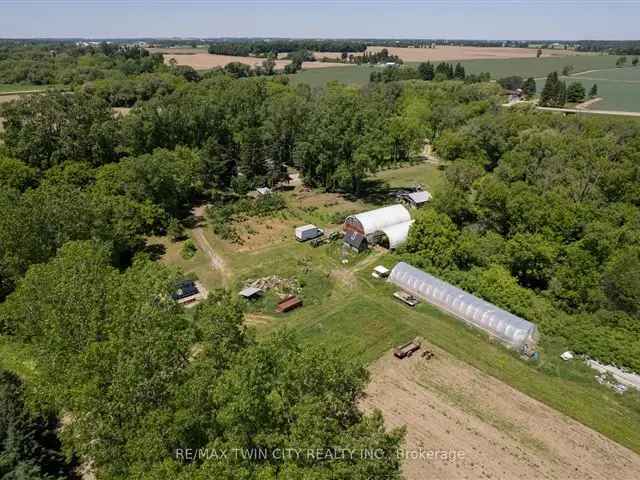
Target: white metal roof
[[419, 197], [249, 292], [381, 269], [397, 234], [377, 220]]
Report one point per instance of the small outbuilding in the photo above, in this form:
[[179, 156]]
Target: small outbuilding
[[259, 192], [308, 232], [356, 241], [251, 293], [184, 290], [415, 199]]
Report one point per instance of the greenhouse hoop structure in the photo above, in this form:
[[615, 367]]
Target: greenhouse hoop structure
[[510, 329]]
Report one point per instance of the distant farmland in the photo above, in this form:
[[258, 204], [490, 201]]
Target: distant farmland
[[618, 87], [498, 68], [449, 53], [539, 67]]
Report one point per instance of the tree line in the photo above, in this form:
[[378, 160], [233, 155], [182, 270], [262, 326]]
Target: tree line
[[273, 47], [540, 215], [428, 71], [72, 65]]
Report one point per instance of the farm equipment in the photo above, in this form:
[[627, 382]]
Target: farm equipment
[[316, 242], [427, 354], [406, 298], [408, 349]]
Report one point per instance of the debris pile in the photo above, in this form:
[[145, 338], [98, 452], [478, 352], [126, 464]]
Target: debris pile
[[281, 286]]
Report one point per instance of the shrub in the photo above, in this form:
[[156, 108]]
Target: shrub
[[188, 249]]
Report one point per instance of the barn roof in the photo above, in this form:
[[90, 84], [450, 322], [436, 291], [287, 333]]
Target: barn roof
[[397, 234], [377, 220]]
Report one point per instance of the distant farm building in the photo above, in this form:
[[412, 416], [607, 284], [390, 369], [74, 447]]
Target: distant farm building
[[388, 226], [259, 192], [415, 199], [510, 329]]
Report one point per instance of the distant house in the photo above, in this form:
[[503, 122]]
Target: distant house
[[259, 192], [415, 199], [388, 226]]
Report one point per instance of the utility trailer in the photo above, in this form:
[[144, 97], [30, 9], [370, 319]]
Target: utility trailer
[[406, 298], [408, 349]]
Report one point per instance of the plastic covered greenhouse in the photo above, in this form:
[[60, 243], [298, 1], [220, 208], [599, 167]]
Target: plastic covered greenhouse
[[509, 328]]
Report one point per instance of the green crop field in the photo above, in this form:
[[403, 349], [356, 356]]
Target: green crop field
[[353, 74], [619, 88], [498, 68], [538, 67]]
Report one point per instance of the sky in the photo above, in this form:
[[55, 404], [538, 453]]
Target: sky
[[454, 19]]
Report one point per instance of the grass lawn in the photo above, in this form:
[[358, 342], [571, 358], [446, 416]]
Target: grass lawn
[[16, 358], [21, 87], [365, 321], [347, 310]]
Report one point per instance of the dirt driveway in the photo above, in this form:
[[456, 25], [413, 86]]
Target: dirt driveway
[[487, 429], [217, 262]]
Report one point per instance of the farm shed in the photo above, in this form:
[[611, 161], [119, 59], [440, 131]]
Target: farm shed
[[356, 241], [250, 293], [510, 329], [388, 225], [416, 199], [184, 289]]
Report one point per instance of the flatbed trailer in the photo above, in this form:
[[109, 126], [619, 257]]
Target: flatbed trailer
[[406, 298], [408, 349]]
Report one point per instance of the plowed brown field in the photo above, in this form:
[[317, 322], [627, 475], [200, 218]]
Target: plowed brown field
[[494, 430]]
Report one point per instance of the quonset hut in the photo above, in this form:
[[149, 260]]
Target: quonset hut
[[388, 226], [510, 329]]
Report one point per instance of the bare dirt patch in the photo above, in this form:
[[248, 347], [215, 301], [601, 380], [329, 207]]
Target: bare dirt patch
[[208, 61], [258, 233], [9, 98], [466, 53], [450, 406]]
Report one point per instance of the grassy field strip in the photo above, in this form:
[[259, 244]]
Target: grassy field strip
[[367, 322], [17, 88]]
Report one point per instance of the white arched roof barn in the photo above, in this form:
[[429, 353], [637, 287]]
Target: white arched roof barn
[[373, 221], [393, 222], [509, 328]]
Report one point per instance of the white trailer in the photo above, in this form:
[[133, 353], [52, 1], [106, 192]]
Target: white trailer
[[308, 232]]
